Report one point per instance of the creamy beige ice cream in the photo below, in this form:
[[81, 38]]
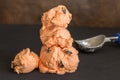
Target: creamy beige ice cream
[[57, 36], [57, 54], [58, 16], [25, 61], [58, 60]]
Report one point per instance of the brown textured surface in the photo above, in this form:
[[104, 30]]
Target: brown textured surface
[[102, 13]]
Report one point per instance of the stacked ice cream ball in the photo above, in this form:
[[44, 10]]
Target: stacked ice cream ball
[[57, 54]]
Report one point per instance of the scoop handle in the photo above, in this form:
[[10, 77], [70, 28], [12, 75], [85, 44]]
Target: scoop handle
[[118, 35]]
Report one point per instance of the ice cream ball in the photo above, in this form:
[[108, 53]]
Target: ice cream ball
[[57, 60], [58, 16], [57, 36], [25, 61]]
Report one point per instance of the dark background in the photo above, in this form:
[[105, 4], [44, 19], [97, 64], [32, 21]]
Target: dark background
[[94, 13], [104, 64]]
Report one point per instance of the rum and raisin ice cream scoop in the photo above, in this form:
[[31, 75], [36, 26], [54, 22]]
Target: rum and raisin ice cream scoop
[[57, 36], [58, 60], [25, 61], [58, 16]]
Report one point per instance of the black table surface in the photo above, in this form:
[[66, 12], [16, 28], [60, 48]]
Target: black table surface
[[104, 64]]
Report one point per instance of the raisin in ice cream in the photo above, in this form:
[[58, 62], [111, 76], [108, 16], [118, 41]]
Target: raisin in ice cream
[[25, 61], [57, 54]]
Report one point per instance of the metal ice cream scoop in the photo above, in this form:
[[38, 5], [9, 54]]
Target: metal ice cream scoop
[[96, 42]]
